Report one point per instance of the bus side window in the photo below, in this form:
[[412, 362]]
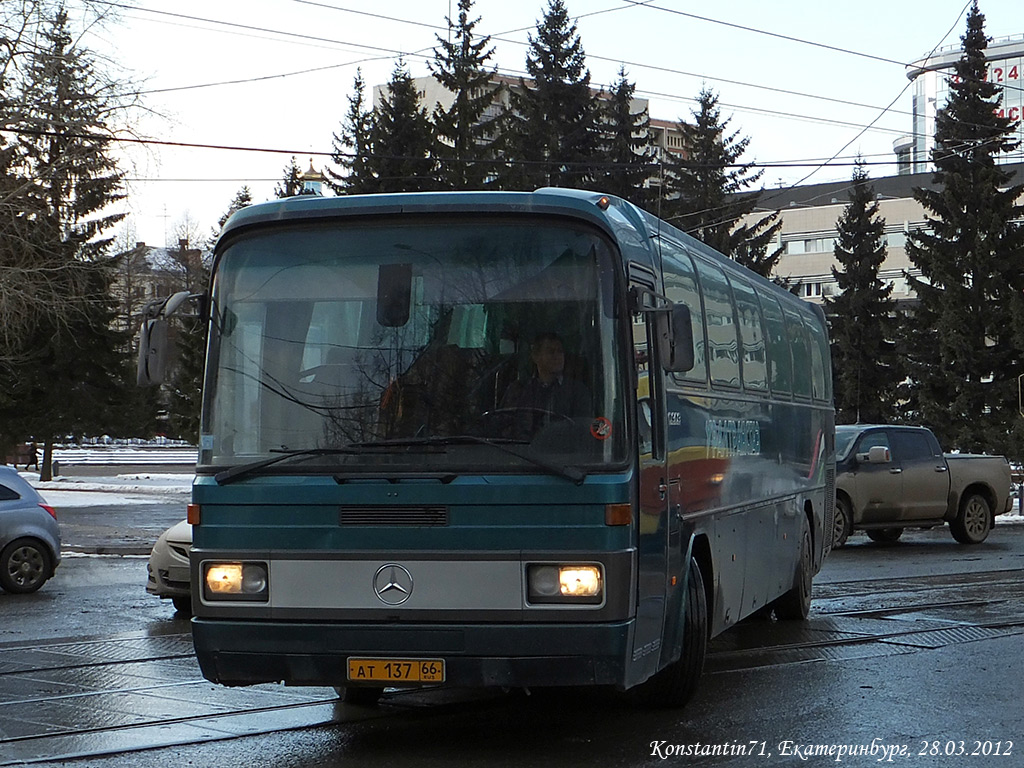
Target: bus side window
[[820, 359], [801, 345], [723, 342], [752, 334], [780, 361], [681, 288]]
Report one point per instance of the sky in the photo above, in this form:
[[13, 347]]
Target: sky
[[259, 81]]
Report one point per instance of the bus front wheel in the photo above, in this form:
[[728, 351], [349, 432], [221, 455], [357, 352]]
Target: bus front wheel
[[675, 684]]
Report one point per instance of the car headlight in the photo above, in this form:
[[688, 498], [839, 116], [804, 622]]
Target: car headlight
[[565, 583], [236, 581]]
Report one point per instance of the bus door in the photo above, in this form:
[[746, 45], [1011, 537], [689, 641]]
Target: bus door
[[653, 495]]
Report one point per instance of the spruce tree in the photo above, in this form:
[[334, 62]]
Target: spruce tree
[[291, 184], [185, 396], [550, 131], [353, 146], [79, 371], [707, 190], [626, 150], [464, 130], [402, 138], [964, 341], [861, 317]]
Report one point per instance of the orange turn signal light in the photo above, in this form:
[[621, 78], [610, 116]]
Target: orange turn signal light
[[192, 514], [618, 514]]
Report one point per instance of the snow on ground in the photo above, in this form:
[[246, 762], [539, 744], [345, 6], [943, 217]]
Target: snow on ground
[[134, 488]]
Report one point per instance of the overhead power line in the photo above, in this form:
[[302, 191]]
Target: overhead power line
[[837, 162]]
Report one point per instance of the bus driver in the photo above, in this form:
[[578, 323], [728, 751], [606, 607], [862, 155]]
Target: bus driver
[[549, 393]]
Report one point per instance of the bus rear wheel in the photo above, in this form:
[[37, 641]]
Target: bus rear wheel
[[675, 685], [796, 603], [362, 697]]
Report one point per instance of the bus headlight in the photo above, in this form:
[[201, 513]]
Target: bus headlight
[[558, 583], [235, 581]]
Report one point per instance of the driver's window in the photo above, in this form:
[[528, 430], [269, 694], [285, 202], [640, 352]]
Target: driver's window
[[641, 358]]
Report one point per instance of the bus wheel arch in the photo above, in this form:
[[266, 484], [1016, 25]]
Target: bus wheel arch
[[700, 552]]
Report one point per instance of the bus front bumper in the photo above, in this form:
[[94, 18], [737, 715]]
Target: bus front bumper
[[247, 653]]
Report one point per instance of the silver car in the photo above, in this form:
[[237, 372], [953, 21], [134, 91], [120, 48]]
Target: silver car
[[168, 567], [29, 535]]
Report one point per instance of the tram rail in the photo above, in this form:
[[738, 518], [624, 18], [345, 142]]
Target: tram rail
[[70, 698]]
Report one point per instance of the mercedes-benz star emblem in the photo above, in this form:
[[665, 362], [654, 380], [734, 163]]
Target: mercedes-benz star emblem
[[393, 584]]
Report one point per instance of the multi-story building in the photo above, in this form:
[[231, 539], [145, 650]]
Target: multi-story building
[[930, 77], [809, 215]]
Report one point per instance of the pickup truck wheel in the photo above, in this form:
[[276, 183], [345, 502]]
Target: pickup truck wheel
[[841, 523], [885, 535], [973, 522], [796, 603]]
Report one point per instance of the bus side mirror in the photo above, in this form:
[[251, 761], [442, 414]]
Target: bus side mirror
[[154, 339], [675, 339], [153, 351]]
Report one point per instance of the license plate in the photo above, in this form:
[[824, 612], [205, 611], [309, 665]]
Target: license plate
[[396, 670]]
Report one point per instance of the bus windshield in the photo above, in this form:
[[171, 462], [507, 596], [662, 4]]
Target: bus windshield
[[435, 345]]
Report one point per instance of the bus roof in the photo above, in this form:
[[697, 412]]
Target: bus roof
[[552, 201]]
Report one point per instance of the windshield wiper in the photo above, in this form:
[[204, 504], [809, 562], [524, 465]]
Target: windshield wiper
[[244, 470], [502, 444]]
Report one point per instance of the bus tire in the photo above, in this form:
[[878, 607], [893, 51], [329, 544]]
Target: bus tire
[[675, 685], [795, 605], [361, 697], [974, 520]]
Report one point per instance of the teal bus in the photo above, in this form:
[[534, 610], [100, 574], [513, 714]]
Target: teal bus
[[496, 439]]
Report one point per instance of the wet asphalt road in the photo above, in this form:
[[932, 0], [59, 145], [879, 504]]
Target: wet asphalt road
[[914, 651]]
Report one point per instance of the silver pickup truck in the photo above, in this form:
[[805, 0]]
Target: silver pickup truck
[[889, 478]]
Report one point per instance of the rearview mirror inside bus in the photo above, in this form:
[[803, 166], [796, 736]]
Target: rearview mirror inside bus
[[394, 289], [675, 339]]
